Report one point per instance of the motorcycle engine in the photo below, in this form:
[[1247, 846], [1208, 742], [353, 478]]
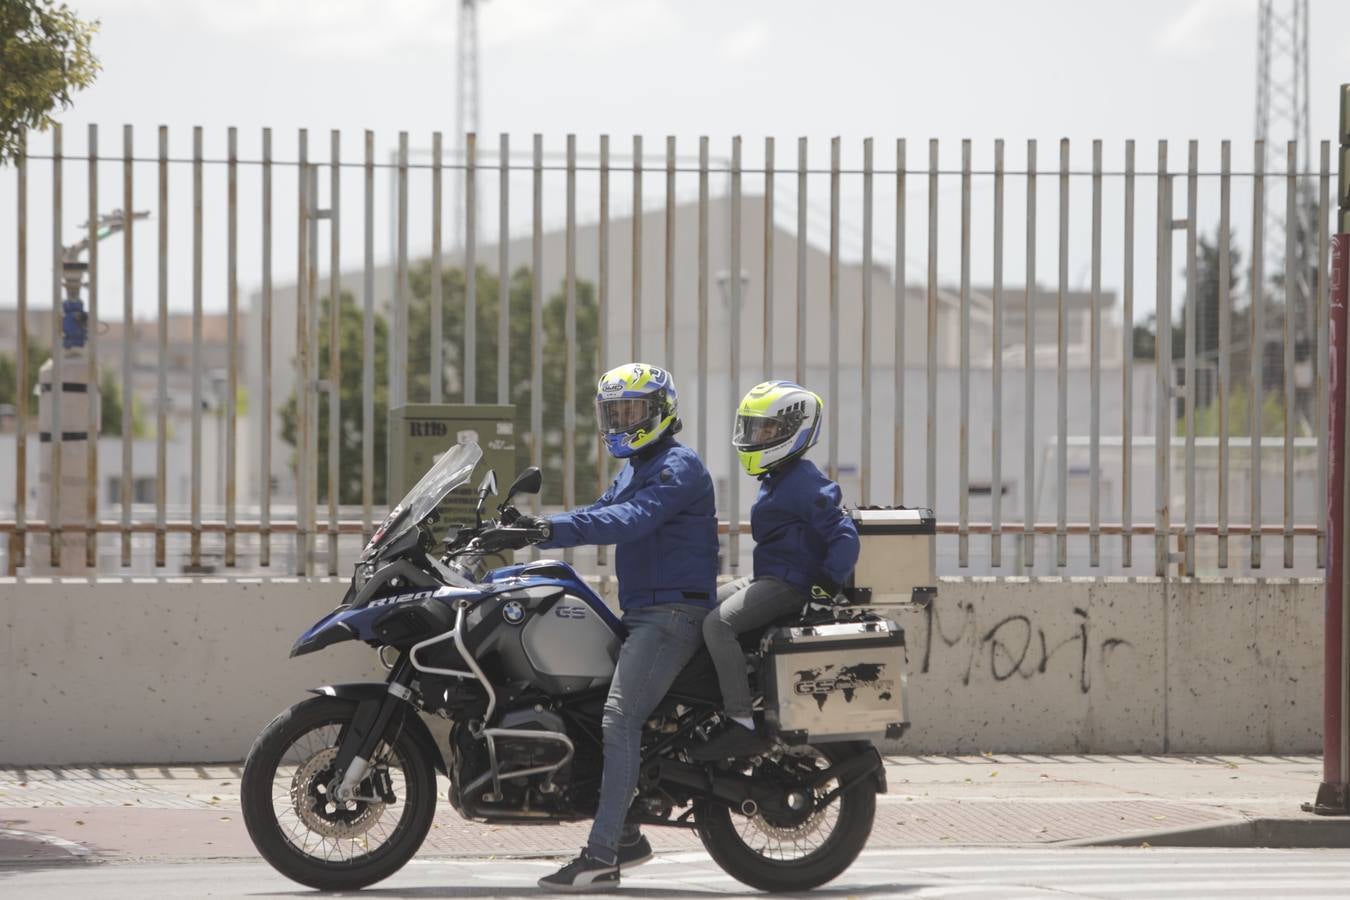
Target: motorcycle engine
[[533, 796]]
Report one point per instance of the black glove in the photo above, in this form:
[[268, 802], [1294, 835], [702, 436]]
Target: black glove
[[540, 527], [826, 591]]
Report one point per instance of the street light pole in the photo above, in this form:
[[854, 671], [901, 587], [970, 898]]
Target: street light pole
[[66, 401]]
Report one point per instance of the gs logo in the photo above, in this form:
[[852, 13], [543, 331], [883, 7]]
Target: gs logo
[[570, 612]]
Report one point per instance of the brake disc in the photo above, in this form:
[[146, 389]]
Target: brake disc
[[323, 815], [799, 825]]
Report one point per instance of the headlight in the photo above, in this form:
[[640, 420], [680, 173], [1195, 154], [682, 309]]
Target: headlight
[[363, 574]]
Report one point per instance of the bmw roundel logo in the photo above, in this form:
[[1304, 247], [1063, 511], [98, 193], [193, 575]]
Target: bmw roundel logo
[[513, 612]]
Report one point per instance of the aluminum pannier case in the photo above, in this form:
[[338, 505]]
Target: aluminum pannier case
[[896, 559], [842, 681]]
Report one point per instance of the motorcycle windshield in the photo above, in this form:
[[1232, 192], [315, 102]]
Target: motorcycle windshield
[[451, 469]]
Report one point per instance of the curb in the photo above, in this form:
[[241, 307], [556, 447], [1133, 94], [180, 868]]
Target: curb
[[1275, 833]]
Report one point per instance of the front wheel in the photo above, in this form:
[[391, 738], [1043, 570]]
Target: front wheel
[[793, 851], [302, 831]]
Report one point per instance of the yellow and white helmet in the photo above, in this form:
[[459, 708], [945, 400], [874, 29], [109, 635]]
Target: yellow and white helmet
[[777, 421]]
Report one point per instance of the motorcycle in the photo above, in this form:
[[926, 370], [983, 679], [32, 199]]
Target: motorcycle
[[339, 790]]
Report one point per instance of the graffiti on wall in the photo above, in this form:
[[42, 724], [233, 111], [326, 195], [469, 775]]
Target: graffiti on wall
[[1017, 644]]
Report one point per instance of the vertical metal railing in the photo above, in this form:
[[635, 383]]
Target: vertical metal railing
[[996, 371], [56, 384], [1225, 337], [963, 497], [901, 306], [768, 228], [1163, 383], [802, 238], [197, 362], [182, 353], [1256, 349], [437, 282], [1029, 372], [303, 501], [232, 344], [18, 547], [91, 408], [1062, 367], [668, 323], [734, 349], [504, 273], [161, 356], [470, 368], [635, 326], [930, 480], [1192, 181], [1095, 367], [265, 360], [832, 398], [1127, 368], [865, 355], [570, 334], [368, 342]]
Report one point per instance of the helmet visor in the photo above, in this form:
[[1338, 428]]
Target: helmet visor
[[761, 432], [624, 414]]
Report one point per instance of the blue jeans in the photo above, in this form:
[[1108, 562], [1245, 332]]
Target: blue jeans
[[661, 639]]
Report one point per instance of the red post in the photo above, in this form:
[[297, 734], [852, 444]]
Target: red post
[[1333, 796]]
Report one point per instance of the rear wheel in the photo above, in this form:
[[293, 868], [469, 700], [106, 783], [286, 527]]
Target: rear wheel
[[296, 822], [793, 851]]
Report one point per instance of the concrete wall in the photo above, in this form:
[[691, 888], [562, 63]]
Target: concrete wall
[[1117, 665], [178, 670]]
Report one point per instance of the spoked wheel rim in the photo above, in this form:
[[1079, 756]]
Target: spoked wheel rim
[[798, 835], [310, 819]]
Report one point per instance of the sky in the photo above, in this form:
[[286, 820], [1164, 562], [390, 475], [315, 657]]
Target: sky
[[980, 69], [976, 69]]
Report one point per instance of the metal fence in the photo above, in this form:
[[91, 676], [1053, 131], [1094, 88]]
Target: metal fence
[[812, 270]]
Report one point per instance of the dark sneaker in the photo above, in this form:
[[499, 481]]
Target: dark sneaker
[[634, 854], [585, 873], [734, 742]]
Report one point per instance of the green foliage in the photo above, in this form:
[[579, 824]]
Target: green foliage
[[452, 342], [352, 363], [45, 57], [1207, 419], [553, 347], [110, 391]]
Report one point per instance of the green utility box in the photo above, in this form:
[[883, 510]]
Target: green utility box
[[420, 432]]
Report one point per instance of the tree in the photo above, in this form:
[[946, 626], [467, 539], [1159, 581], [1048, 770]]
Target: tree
[[1207, 275], [110, 392], [45, 57], [351, 347], [452, 339], [554, 350]]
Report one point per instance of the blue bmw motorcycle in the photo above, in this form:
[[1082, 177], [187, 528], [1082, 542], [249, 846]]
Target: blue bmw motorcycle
[[339, 790]]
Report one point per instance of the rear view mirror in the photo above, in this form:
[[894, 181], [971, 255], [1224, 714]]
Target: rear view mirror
[[489, 486], [527, 482]]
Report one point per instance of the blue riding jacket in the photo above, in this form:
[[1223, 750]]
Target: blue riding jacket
[[661, 513], [802, 536]]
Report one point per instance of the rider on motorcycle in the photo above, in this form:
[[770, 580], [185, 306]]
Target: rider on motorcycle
[[805, 546], [661, 513]]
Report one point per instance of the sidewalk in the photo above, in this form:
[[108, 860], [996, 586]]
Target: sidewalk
[[192, 812]]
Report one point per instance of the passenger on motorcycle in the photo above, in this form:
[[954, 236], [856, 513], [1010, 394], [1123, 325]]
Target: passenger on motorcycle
[[805, 546], [661, 513]]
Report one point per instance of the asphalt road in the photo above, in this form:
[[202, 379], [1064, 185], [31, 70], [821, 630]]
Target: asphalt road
[[913, 873]]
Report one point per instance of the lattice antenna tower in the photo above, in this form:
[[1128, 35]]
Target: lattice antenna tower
[[466, 106], [1282, 116]]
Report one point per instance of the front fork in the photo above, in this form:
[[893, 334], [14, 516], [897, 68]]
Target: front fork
[[360, 738]]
